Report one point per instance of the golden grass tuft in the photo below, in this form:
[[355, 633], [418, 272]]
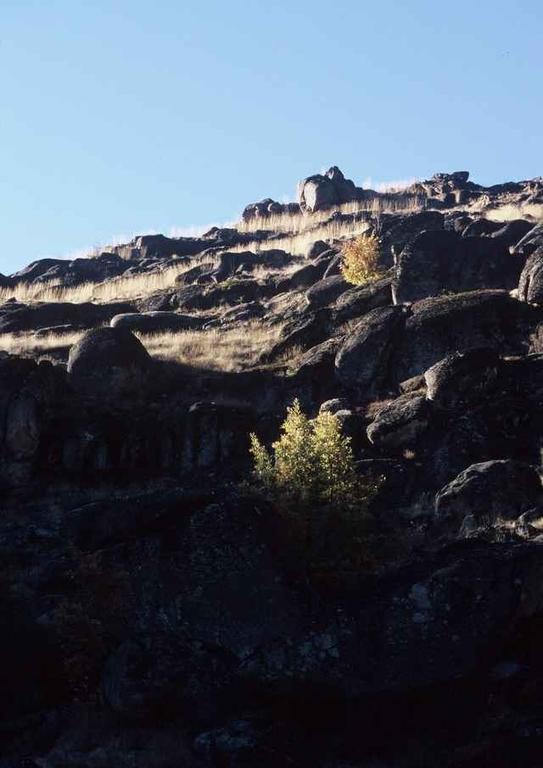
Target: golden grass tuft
[[360, 260]]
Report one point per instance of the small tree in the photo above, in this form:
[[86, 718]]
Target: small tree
[[311, 475], [360, 259], [312, 461]]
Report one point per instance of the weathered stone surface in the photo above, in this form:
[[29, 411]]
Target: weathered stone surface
[[530, 286], [461, 378], [364, 357], [109, 362], [156, 322], [15, 317], [326, 291], [489, 492], [443, 325], [400, 424]]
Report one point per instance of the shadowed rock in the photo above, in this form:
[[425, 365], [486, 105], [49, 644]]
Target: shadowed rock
[[108, 362], [400, 424], [363, 359], [530, 286], [488, 492]]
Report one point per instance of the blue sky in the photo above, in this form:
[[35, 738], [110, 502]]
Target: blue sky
[[124, 117]]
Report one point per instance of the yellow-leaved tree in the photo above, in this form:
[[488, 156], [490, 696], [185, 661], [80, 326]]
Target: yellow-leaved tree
[[310, 473], [360, 259], [312, 461]]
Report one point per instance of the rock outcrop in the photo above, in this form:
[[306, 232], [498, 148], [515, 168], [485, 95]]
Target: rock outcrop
[[159, 607]]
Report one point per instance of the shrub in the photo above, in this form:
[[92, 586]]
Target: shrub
[[311, 462], [311, 477], [360, 260]]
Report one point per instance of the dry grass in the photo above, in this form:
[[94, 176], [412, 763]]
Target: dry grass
[[116, 289], [511, 212], [30, 345], [300, 223], [299, 244], [231, 349]]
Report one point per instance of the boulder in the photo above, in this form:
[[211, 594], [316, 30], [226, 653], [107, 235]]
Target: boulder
[[108, 362], [489, 492], [462, 377], [530, 287], [326, 291], [363, 360], [400, 424], [305, 331], [156, 322], [531, 241], [324, 191], [439, 326], [361, 299], [15, 317], [439, 261]]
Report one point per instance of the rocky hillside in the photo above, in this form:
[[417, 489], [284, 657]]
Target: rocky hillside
[[157, 608]]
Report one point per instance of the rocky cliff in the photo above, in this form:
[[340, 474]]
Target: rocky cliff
[[156, 610]]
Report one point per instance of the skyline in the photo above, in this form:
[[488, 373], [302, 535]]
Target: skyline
[[117, 122]]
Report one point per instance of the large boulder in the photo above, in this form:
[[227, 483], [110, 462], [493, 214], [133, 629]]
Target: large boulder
[[15, 317], [318, 191], [400, 424], [461, 378], [489, 492], [439, 261], [530, 287], [532, 240], [326, 291], [443, 325], [156, 322], [363, 360], [108, 362], [361, 299]]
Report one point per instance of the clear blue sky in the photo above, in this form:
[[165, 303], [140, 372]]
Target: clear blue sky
[[121, 116]]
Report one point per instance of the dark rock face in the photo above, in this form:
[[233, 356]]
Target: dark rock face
[[108, 362], [401, 424], [326, 291], [489, 491], [462, 378], [15, 317], [159, 609], [439, 326], [439, 261], [363, 359], [530, 287]]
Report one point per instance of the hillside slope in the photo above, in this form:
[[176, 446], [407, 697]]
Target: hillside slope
[[157, 610]]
